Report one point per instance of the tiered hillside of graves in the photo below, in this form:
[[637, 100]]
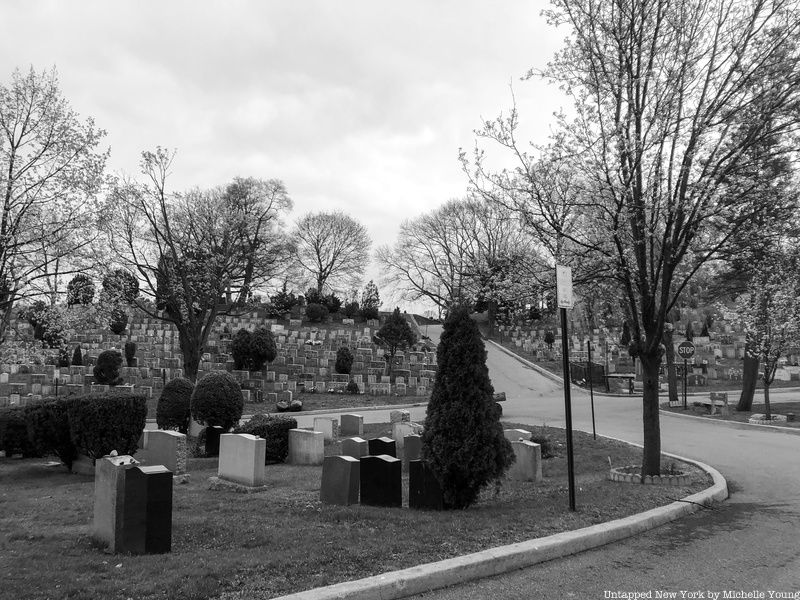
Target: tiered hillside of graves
[[718, 355], [305, 361]]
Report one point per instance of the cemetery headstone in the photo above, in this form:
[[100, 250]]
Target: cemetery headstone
[[381, 481], [148, 510], [424, 491], [212, 440], [109, 499], [328, 426], [412, 449], [355, 447], [340, 480], [352, 424], [306, 447], [514, 435], [241, 459], [383, 445], [164, 447], [528, 465]]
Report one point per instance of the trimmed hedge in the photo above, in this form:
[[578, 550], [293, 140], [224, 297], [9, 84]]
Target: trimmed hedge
[[14, 432], [273, 429], [100, 423], [48, 428], [174, 405], [217, 401]]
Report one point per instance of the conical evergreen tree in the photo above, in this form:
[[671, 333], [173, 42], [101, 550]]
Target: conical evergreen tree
[[463, 442]]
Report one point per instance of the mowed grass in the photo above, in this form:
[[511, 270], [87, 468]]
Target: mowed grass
[[284, 540]]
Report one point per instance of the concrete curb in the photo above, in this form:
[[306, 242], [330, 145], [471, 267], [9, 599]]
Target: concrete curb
[[734, 424], [495, 561]]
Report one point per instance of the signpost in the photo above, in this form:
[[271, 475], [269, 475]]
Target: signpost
[[685, 351], [565, 301]]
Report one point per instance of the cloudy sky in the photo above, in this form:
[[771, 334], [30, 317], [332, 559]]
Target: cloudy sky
[[358, 105]]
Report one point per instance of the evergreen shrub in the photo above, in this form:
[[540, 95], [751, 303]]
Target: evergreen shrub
[[118, 321], [106, 371], [463, 442], [174, 405], [262, 348], [344, 360], [77, 357], [350, 310], [240, 349], [130, 354], [332, 302], [80, 290], [316, 313], [275, 430], [352, 388], [121, 286], [217, 401], [102, 423]]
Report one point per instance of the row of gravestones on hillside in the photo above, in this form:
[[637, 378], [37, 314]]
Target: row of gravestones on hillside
[[133, 501]]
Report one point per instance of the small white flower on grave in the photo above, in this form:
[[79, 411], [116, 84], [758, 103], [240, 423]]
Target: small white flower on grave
[[118, 566]]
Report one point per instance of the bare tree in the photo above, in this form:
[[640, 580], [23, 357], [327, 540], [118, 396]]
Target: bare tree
[[247, 213], [464, 251], [50, 173], [332, 249], [669, 95], [187, 249]]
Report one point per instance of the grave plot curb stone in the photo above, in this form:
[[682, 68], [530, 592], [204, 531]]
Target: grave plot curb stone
[[495, 561]]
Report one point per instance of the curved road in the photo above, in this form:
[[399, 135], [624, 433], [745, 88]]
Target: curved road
[[751, 543]]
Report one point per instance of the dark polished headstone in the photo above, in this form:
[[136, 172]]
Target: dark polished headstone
[[412, 449], [424, 490], [147, 523], [382, 445], [212, 440], [381, 480], [340, 480]]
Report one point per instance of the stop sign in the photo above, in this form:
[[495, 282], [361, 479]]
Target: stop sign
[[686, 350]]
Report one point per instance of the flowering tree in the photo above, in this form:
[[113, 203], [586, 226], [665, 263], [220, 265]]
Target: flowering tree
[[50, 172], [669, 96], [770, 312]]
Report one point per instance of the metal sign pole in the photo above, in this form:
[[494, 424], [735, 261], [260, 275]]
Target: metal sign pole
[[684, 382], [591, 387], [568, 408]]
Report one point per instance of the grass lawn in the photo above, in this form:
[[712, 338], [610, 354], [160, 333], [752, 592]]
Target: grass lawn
[[284, 540], [779, 408]]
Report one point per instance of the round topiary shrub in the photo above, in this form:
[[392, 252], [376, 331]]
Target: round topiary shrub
[[217, 401], [316, 313], [80, 290], [344, 360], [174, 405], [262, 349], [106, 371], [102, 423], [121, 286], [118, 321]]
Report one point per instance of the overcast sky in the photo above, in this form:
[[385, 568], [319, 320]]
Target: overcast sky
[[356, 105]]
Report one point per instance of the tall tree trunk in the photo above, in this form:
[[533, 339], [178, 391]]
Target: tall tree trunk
[[651, 458], [491, 314], [672, 377], [749, 378], [192, 352], [767, 411]]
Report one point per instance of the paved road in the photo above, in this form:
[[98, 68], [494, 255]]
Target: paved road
[[750, 543]]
